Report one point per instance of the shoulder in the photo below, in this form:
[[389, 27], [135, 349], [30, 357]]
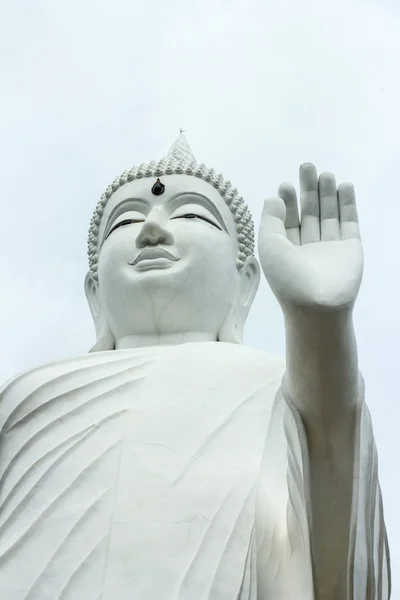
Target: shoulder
[[217, 361], [228, 358], [248, 355], [57, 377]]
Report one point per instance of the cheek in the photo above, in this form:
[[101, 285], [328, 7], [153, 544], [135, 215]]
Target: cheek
[[118, 249], [212, 260], [199, 240], [113, 260]]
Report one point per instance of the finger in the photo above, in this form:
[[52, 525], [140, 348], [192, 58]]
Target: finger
[[309, 202], [292, 223], [273, 217], [349, 226], [328, 207]]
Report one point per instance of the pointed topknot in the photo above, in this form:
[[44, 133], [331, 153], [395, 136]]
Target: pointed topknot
[[180, 150]]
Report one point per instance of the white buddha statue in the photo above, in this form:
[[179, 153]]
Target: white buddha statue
[[172, 462]]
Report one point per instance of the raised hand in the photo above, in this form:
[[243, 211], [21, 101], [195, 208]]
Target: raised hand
[[313, 260]]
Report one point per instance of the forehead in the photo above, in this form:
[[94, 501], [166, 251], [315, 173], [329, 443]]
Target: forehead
[[174, 184]]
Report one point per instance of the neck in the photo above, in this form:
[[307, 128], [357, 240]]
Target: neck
[[163, 339]]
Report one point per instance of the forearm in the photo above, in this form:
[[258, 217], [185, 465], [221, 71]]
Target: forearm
[[322, 377], [323, 382]]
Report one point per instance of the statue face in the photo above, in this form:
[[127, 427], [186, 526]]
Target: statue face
[[167, 263]]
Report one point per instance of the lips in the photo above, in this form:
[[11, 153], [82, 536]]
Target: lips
[[150, 254]]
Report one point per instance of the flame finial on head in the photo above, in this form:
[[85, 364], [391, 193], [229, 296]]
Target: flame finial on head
[[180, 149]]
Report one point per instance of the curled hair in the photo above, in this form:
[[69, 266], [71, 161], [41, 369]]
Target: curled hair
[[170, 166]]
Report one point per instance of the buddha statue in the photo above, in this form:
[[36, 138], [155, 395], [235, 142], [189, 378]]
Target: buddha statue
[[172, 462]]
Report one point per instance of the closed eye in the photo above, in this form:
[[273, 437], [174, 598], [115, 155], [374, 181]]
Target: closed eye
[[122, 223], [194, 216]]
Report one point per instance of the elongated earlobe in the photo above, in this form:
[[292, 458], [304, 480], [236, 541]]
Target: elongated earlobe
[[104, 342], [231, 330], [104, 337]]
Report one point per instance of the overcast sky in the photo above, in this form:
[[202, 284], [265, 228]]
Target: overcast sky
[[91, 87]]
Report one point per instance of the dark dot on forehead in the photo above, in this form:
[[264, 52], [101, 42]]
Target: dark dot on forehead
[[158, 188]]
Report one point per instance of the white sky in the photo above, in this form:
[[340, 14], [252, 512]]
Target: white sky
[[90, 87]]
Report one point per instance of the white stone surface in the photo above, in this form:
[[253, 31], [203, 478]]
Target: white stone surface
[[173, 463]]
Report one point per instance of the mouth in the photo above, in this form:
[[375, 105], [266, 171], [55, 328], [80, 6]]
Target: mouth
[[153, 258]]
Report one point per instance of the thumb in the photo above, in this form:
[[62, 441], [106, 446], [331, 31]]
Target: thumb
[[274, 248], [273, 217]]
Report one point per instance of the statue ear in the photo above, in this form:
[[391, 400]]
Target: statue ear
[[232, 329], [104, 338]]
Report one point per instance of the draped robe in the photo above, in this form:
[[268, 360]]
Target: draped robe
[[176, 473]]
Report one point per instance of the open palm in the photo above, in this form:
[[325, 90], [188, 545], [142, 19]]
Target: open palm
[[312, 260]]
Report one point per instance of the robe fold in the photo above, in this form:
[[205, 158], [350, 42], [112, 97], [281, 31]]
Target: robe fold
[[176, 473]]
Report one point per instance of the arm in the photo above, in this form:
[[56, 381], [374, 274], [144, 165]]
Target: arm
[[323, 382], [314, 267]]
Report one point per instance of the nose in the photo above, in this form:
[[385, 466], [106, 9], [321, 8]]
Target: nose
[[153, 231]]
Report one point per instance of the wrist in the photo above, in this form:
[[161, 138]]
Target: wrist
[[317, 316]]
